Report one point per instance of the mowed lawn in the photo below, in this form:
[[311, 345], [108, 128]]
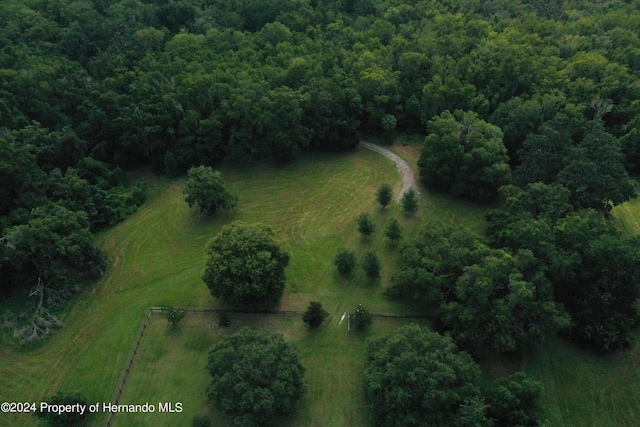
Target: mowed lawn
[[157, 257], [171, 367]]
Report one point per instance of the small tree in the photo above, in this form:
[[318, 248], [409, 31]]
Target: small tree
[[393, 230], [366, 226], [174, 315], [410, 202], [206, 189], [315, 314], [345, 260], [361, 318], [384, 195], [371, 265]]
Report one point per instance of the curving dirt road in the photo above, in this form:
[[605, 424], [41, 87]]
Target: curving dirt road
[[408, 179]]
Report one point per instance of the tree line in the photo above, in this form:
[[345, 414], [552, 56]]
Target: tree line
[[91, 87]]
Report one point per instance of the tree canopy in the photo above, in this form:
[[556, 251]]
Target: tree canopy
[[206, 189], [257, 377], [465, 156], [245, 266], [416, 377]]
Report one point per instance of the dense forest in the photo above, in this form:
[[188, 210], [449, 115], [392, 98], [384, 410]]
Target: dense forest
[[518, 95]]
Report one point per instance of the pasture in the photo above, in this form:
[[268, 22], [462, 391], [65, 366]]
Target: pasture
[[312, 204]]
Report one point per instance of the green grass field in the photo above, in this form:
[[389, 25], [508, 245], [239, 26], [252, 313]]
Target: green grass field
[[312, 204], [170, 366]]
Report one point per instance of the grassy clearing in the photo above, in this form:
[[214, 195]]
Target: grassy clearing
[[628, 216], [157, 258], [171, 366], [581, 389]]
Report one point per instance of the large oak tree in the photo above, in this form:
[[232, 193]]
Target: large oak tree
[[245, 266]]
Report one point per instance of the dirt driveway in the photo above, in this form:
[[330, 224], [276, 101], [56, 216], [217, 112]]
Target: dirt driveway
[[408, 179]]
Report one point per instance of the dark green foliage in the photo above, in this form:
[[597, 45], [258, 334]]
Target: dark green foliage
[[595, 174], [174, 315], [345, 260], [515, 401], [489, 300], [245, 266], [66, 419], [257, 377], [409, 202], [224, 320], [432, 262], [315, 314], [201, 421], [360, 319], [592, 267], [596, 273], [55, 245], [527, 215], [419, 378], [591, 169], [384, 195], [503, 304], [464, 155], [393, 231], [366, 226], [206, 189], [371, 265]]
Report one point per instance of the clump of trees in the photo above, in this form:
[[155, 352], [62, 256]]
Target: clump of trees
[[206, 189], [418, 377], [485, 298], [256, 377], [465, 156], [591, 265], [246, 266]]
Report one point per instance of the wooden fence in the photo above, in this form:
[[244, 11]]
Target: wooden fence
[[151, 310]]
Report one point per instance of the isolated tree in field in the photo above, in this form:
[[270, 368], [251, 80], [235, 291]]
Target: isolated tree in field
[[315, 314], [384, 195], [257, 376], [206, 189], [245, 266], [345, 260], [371, 265], [360, 319], [65, 419], [416, 377], [409, 202], [366, 226], [393, 231]]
